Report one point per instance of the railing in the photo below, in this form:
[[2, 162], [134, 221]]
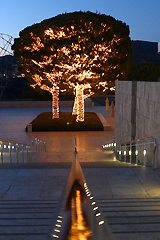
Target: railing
[[138, 152], [79, 216], [38, 145], [14, 153]]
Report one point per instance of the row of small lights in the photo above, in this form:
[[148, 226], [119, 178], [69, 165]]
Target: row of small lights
[[109, 145], [58, 227], [93, 203], [130, 152], [4, 146], [124, 152], [36, 140]]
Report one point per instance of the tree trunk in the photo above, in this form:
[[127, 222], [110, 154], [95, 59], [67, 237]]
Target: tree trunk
[[55, 103], [74, 111], [80, 102]]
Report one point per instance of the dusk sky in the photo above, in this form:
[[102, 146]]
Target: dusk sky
[[143, 16]]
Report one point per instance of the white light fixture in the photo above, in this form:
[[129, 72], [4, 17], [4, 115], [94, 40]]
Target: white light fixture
[[98, 214], [101, 222], [95, 208], [58, 225], [59, 221], [144, 152], [55, 236]]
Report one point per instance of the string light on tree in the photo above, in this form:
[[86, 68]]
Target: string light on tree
[[82, 52]]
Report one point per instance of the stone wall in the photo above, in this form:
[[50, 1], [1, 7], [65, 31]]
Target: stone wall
[[145, 110], [123, 111]]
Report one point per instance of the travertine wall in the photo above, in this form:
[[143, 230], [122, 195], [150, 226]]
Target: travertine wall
[[146, 109], [123, 111]]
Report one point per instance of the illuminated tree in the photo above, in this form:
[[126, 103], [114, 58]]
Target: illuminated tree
[[83, 51]]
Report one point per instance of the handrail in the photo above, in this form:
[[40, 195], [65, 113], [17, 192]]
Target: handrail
[[14, 152], [138, 151], [93, 225]]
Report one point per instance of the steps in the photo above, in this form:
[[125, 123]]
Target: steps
[[136, 218], [26, 219]]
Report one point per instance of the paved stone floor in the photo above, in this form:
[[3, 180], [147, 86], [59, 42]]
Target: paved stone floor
[[109, 180], [60, 145]]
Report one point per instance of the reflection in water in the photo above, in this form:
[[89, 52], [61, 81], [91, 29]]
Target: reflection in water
[[79, 229]]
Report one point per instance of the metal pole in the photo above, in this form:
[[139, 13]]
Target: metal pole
[[120, 155], [10, 152], [136, 153], [130, 153], [144, 154], [17, 153], [125, 151], [22, 153], [2, 155]]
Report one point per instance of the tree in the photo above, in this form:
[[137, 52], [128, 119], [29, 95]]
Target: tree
[[82, 51]]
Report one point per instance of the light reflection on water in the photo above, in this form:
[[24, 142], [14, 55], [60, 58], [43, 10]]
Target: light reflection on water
[[79, 229]]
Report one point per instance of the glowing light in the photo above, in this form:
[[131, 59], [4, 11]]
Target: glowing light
[[98, 214], [95, 208], [55, 236], [59, 221], [136, 152], [130, 152], [144, 152], [58, 225], [101, 222]]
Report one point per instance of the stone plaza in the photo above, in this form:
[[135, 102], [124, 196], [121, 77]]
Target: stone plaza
[[128, 195]]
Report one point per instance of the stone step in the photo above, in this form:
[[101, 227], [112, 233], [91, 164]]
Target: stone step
[[26, 219], [136, 218], [137, 236]]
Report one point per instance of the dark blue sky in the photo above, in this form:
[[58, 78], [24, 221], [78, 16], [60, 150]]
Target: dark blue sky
[[143, 16]]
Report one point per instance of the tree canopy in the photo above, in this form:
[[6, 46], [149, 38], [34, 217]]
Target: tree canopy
[[95, 45]]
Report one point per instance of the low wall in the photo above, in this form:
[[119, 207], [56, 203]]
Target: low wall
[[38, 104]]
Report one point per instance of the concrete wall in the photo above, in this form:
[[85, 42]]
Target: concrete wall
[[145, 110]]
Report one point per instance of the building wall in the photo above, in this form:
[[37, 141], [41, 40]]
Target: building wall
[[123, 111], [146, 112]]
